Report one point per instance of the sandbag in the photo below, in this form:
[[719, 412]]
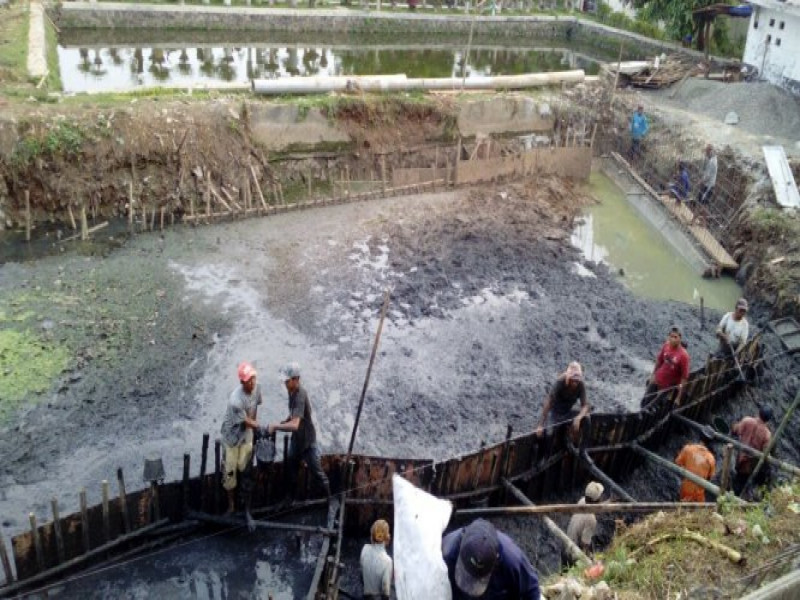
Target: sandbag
[[419, 520]]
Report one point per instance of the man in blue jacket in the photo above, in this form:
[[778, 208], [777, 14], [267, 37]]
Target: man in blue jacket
[[639, 128], [485, 563]]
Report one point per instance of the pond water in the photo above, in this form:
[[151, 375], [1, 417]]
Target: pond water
[[613, 232], [89, 64]]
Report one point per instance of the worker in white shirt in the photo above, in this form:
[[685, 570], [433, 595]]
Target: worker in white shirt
[[376, 564], [733, 330]]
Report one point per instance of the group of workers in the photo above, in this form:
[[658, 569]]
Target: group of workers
[[680, 187], [483, 562]]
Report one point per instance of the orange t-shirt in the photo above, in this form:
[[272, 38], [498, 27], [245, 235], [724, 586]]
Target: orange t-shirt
[[697, 459]]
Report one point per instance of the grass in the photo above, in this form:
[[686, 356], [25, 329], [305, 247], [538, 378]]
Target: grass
[[642, 563], [14, 45]]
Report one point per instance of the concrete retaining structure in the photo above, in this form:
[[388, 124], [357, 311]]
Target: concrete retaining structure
[[151, 16], [37, 43]]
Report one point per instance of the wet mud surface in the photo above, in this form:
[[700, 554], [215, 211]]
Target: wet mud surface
[[487, 308]]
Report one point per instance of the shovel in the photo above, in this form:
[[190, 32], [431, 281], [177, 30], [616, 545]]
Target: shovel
[[741, 378]]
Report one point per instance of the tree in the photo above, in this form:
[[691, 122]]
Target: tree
[[677, 17]]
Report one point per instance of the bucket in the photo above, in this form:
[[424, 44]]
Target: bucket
[[721, 426]]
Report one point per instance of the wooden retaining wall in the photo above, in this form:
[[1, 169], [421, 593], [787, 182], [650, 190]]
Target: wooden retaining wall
[[539, 466]]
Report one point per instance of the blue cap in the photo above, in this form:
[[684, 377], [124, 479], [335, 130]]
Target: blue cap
[[477, 558]]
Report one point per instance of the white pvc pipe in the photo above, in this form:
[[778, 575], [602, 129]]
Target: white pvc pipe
[[383, 83]]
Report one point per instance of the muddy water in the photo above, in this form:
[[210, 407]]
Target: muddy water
[[612, 232]]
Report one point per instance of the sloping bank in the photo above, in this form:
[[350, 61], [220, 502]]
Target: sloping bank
[[149, 16]]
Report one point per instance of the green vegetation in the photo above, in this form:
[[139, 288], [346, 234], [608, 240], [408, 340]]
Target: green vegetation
[[63, 139], [14, 45], [640, 25], [53, 81], [655, 559]]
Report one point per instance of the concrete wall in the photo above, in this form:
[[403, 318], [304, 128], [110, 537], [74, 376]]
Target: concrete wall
[[508, 114], [571, 163], [282, 126], [775, 50], [112, 15]]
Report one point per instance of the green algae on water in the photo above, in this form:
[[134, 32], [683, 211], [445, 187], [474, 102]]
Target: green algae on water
[[28, 365]]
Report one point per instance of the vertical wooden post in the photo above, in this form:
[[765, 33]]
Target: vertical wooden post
[[383, 174], [280, 193], [286, 462], [702, 314], [37, 542], [347, 180], [217, 474], [458, 160], [27, 215], [616, 77], [123, 501], [161, 220], [594, 132], [85, 521], [207, 194], [84, 223], [153, 217], [155, 501], [7, 571], [310, 182], [57, 530], [185, 503], [72, 217], [130, 205], [106, 520], [203, 461], [446, 170], [725, 476]]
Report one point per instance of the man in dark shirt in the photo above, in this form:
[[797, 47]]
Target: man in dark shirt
[[565, 392], [485, 563], [300, 423]]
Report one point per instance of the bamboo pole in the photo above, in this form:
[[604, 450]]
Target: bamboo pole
[[457, 161], [123, 501], [217, 473], [84, 223], [725, 476], [203, 461], [271, 525], [37, 542], [161, 219], [7, 570], [71, 217], [106, 520], [185, 486], [85, 521], [258, 188], [207, 193], [89, 231], [27, 215], [59, 535], [384, 183], [597, 472], [576, 553], [773, 440], [594, 509], [780, 464], [130, 205]]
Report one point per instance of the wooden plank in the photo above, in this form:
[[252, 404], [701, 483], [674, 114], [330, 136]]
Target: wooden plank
[[713, 247]]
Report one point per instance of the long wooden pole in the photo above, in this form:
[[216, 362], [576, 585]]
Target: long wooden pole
[[780, 464], [773, 441], [597, 472], [576, 553], [366, 379], [594, 509], [7, 570], [237, 522], [706, 485]]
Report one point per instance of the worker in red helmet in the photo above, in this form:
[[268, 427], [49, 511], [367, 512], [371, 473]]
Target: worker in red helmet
[[237, 433]]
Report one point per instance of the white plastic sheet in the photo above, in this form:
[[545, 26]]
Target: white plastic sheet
[[419, 520]]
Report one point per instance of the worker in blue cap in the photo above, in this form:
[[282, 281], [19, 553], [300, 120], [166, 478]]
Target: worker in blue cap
[[485, 563]]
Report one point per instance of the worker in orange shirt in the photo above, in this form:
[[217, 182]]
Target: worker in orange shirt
[[697, 459]]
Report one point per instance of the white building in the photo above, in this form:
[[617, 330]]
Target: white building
[[773, 42]]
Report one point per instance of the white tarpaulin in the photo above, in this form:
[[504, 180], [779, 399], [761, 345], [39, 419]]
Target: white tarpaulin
[[419, 520], [786, 192]]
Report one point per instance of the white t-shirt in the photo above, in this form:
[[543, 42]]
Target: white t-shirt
[[376, 570], [582, 526], [737, 331]]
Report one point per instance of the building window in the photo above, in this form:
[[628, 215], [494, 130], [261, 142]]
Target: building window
[[772, 22], [782, 25], [769, 39], [755, 24], [777, 41]]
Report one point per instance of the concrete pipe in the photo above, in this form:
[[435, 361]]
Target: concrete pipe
[[387, 83]]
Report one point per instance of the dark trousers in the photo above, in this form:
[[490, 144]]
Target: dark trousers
[[586, 425], [705, 193], [653, 397], [740, 478], [311, 457], [636, 148]]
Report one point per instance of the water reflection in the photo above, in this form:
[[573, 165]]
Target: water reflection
[[121, 68]]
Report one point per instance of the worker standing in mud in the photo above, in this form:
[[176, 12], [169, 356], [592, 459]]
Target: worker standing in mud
[[699, 460], [753, 432], [485, 563], [376, 564], [300, 423], [564, 393], [733, 330], [639, 129], [671, 370], [582, 526], [237, 435], [709, 176]]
